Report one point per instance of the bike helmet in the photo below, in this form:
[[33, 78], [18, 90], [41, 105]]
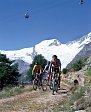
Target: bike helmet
[[36, 63], [54, 56]]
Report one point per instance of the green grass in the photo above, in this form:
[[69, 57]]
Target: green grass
[[89, 71]]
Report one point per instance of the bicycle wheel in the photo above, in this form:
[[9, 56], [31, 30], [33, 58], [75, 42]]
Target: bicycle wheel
[[55, 86], [44, 85], [39, 84], [35, 84], [51, 85]]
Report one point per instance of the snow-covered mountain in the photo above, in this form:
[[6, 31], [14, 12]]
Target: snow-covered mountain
[[85, 53], [65, 52]]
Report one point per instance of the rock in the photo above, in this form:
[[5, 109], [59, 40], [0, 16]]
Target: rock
[[80, 111]]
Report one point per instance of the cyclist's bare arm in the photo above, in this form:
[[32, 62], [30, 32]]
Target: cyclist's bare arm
[[33, 70]]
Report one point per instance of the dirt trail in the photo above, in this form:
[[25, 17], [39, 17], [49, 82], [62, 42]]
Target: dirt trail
[[34, 101]]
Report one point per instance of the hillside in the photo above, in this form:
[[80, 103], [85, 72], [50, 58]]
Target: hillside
[[69, 98]]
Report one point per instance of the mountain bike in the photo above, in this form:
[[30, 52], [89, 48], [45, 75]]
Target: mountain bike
[[37, 82], [44, 81]]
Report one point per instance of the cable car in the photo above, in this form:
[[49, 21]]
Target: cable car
[[81, 2], [27, 15]]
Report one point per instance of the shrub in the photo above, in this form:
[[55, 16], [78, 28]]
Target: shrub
[[65, 70], [78, 65]]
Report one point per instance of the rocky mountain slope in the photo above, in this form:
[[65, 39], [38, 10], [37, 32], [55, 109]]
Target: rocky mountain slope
[[85, 53]]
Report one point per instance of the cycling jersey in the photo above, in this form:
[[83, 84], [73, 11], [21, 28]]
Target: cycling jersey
[[55, 63]]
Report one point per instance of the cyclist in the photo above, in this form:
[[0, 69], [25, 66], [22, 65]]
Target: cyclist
[[55, 66], [46, 69], [47, 72], [37, 69]]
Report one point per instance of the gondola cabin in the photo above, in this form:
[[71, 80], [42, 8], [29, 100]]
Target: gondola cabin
[[27, 15], [81, 2]]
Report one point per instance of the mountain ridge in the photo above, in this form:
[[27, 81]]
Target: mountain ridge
[[65, 52]]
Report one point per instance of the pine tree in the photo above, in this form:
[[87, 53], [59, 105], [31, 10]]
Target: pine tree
[[8, 72]]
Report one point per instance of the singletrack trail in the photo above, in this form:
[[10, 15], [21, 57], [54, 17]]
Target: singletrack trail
[[35, 101]]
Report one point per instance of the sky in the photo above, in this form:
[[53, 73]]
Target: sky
[[65, 20]]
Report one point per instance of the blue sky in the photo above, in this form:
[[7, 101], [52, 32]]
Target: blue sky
[[65, 20]]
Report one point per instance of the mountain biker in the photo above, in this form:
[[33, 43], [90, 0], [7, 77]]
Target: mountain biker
[[47, 72], [37, 69], [46, 69], [55, 66]]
